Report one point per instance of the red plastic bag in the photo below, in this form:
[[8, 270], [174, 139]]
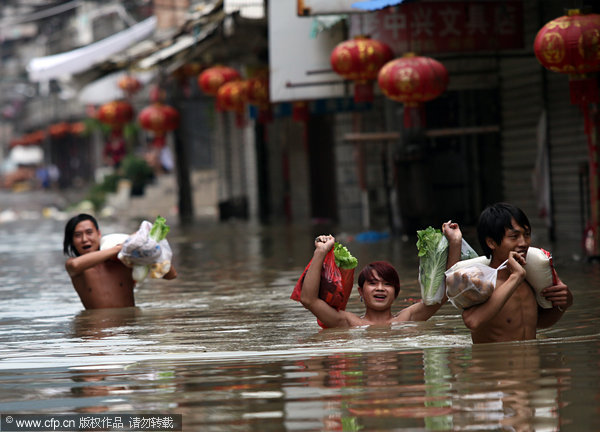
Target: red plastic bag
[[335, 286]]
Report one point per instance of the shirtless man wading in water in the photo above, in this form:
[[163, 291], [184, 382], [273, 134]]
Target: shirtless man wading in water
[[98, 276]]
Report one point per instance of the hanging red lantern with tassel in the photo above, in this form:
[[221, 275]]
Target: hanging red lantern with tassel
[[232, 96], [130, 85], [115, 114], [159, 119], [413, 80], [185, 73], [359, 60], [211, 79], [570, 45], [257, 94]]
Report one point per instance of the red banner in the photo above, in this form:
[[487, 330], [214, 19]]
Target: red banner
[[436, 27]]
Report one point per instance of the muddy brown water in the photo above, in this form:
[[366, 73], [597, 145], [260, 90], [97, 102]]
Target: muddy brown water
[[224, 346]]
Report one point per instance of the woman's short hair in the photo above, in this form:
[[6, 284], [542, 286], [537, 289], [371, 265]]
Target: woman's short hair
[[494, 220], [385, 270], [68, 248]]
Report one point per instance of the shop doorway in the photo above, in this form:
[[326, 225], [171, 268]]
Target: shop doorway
[[320, 142]]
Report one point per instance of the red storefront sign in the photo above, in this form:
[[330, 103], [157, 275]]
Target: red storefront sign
[[437, 27]]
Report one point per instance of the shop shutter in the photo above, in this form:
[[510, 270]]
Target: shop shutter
[[522, 104], [568, 151]]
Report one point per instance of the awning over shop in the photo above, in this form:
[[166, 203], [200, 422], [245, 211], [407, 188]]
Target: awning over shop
[[82, 59], [107, 89], [181, 44]]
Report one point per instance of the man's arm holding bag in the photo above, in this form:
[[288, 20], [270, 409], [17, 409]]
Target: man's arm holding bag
[[310, 286]]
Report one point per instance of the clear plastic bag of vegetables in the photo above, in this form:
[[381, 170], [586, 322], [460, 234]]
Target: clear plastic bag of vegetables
[[147, 251], [471, 282], [432, 248]]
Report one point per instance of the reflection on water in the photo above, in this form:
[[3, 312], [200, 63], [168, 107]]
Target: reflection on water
[[224, 346]]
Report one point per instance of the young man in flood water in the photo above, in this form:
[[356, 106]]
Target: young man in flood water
[[98, 276], [511, 313], [378, 286]]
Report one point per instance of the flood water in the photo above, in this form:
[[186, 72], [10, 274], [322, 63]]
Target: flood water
[[224, 346]]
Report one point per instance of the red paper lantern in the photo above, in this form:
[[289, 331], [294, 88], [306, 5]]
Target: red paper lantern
[[359, 60], [183, 74], [130, 85], [232, 96], [570, 45], [159, 119], [116, 114], [212, 78], [257, 91], [191, 69], [413, 80], [257, 94]]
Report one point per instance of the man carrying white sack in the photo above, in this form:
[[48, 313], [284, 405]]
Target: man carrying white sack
[[512, 312], [98, 276]]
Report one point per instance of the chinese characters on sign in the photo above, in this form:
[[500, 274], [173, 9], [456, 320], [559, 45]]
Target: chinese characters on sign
[[445, 26]]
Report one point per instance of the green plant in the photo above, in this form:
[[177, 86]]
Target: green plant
[[137, 171], [97, 192], [97, 196], [110, 182]]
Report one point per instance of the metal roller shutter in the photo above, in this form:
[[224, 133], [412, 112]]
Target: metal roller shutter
[[568, 150], [522, 103]]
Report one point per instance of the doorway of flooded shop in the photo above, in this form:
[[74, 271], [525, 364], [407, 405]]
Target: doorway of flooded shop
[[320, 141], [452, 168]]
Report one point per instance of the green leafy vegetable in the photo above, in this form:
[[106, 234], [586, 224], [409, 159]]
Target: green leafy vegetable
[[343, 257], [427, 240], [432, 249], [159, 229]]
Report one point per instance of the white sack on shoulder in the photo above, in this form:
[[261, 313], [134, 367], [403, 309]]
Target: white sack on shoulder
[[540, 273], [111, 240]]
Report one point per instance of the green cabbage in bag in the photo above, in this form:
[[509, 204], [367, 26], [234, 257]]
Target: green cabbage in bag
[[432, 248], [433, 253]]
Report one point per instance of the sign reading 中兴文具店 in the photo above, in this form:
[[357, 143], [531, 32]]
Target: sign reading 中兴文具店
[[435, 27]]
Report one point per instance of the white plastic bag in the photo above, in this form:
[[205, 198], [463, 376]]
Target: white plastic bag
[[145, 255], [139, 248], [471, 282]]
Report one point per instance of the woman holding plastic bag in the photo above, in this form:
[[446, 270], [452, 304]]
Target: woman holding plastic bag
[[378, 287]]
